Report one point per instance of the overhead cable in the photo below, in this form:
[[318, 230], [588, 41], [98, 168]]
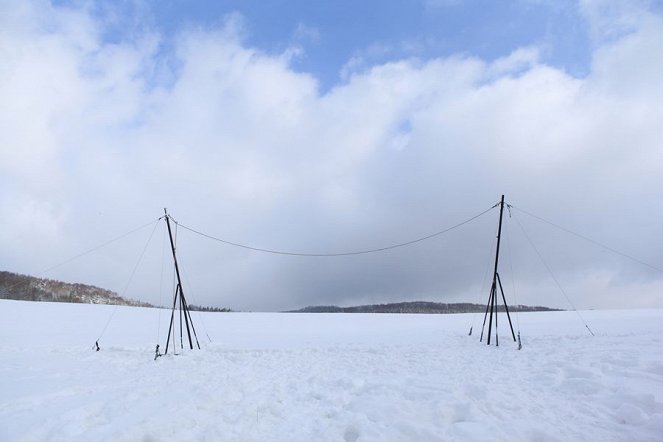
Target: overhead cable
[[349, 253], [126, 286], [95, 248], [552, 275], [589, 240]]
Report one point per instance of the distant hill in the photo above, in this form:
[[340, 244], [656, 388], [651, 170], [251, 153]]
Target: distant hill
[[30, 288], [197, 308], [416, 307]]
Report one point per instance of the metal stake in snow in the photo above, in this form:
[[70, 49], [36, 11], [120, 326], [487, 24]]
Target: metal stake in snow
[[492, 299], [183, 306]]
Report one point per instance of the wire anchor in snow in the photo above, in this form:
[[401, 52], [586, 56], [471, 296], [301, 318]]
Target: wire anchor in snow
[[520, 344], [96, 345]]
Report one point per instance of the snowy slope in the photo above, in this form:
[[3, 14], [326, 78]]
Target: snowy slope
[[335, 377]]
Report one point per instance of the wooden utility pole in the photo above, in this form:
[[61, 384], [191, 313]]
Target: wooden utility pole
[[492, 301], [179, 296]]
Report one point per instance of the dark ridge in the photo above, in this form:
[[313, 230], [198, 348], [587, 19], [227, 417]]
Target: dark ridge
[[197, 308], [418, 307], [29, 288]]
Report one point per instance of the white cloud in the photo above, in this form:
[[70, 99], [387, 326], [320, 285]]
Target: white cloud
[[305, 33], [238, 144], [612, 19], [518, 61]]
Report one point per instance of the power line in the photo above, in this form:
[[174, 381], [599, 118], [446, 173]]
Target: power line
[[93, 249], [483, 281], [126, 286], [357, 252], [513, 278], [552, 275], [590, 240]]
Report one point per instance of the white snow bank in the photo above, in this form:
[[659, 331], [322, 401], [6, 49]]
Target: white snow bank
[[303, 377]]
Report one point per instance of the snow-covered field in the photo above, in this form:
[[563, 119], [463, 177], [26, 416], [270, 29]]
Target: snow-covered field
[[336, 377]]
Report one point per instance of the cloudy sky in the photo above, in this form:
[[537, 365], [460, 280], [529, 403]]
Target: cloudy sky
[[326, 127]]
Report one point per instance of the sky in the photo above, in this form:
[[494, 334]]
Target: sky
[[328, 127]]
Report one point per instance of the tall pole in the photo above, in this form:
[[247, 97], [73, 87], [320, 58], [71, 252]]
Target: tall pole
[[491, 307], [499, 236], [180, 291], [494, 286]]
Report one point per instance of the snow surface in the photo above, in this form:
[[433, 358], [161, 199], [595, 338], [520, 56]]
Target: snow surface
[[335, 377]]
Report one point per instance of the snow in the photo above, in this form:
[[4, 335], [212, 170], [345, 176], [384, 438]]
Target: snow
[[328, 377]]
